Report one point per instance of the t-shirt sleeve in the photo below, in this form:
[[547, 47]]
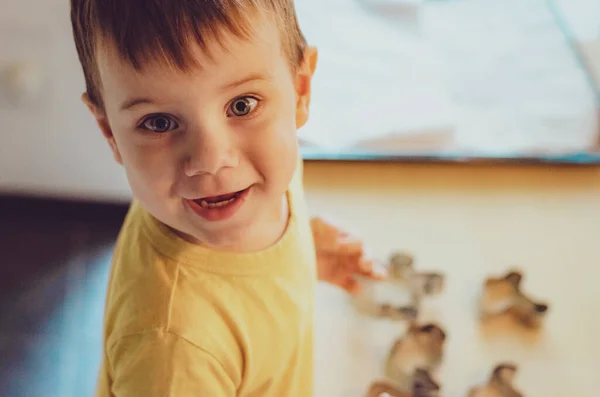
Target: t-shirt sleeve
[[166, 365]]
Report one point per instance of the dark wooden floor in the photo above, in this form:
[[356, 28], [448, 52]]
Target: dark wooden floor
[[54, 263]]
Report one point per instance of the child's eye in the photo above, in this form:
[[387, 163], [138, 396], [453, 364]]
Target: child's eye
[[160, 124], [242, 106]]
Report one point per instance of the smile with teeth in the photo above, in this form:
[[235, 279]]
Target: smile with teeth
[[218, 201]]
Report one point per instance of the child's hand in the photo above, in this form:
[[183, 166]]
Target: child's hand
[[340, 257]]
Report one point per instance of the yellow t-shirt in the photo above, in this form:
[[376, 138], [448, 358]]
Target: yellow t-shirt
[[185, 321]]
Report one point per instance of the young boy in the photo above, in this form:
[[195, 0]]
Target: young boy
[[211, 288]]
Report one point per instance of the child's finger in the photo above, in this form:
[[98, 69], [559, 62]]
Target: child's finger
[[349, 246], [324, 228], [352, 286], [341, 247], [372, 269]]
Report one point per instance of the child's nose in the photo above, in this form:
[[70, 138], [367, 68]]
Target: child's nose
[[208, 153]]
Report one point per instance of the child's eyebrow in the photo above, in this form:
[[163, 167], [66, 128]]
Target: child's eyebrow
[[132, 102], [247, 79]]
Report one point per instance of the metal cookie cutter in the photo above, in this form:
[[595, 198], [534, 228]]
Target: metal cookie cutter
[[503, 295], [500, 383], [401, 270], [400, 296], [421, 348], [423, 385]]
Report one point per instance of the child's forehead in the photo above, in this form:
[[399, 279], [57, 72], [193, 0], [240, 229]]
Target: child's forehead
[[226, 59]]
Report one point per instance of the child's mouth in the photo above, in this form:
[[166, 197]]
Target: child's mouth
[[218, 201], [218, 208]]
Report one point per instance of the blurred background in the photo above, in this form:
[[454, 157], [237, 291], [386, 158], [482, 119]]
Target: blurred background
[[418, 105]]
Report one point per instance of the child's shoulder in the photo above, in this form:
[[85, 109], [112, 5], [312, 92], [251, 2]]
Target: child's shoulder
[[159, 309], [149, 286], [140, 282]]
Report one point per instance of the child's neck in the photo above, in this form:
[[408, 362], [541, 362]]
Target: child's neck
[[270, 230]]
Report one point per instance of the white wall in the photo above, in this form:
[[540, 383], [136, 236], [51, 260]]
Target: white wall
[[51, 147]]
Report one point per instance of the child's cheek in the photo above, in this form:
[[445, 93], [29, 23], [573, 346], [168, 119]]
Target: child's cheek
[[271, 146], [151, 165]]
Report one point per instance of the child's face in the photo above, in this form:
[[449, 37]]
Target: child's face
[[227, 127]]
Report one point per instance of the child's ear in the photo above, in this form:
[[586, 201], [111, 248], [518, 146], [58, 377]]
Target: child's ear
[[303, 81], [102, 121]]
